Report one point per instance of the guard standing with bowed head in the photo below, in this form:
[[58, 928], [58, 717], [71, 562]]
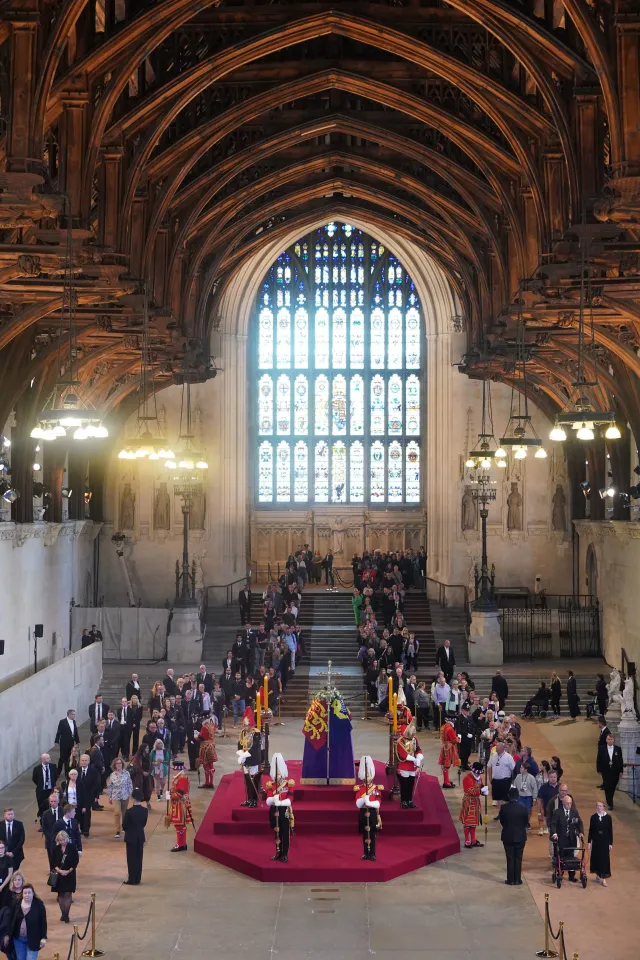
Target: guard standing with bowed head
[[249, 755], [280, 809], [368, 798], [410, 759]]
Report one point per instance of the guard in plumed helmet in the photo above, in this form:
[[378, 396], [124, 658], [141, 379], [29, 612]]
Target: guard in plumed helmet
[[280, 809], [249, 755], [368, 800], [179, 806]]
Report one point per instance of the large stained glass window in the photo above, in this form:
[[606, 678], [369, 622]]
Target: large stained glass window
[[338, 392]]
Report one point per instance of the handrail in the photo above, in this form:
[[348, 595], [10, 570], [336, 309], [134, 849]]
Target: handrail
[[227, 587], [443, 587]]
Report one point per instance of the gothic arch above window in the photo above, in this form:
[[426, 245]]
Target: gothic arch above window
[[337, 388]]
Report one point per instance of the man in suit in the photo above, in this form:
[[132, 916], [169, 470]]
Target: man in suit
[[133, 688], [97, 711], [48, 821], [465, 728], [69, 824], [170, 684], [603, 733], [94, 633], [125, 719], [327, 565], [610, 765], [12, 835], [111, 741], [573, 699], [66, 737], [244, 602], [566, 827], [446, 660], [133, 824], [87, 786], [190, 713], [96, 760], [514, 818], [205, 678], [44, 777], [501, 687]]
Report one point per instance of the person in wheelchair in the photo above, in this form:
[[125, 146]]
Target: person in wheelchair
[[540, 701], [567, 831]]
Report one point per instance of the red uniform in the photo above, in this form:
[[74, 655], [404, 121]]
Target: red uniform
[[406, 748], [280, 815], [180, 809], [448, 752], [470, 811], [207, 756]]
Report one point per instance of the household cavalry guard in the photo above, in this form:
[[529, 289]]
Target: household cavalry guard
[[280, 809], [249, 755], [409, 763], [404, 714], [207, 756], [368, 799], [179, 806]]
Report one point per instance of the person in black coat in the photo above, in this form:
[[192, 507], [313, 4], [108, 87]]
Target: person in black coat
[[125, 716], [599, 844], [465, 728], [133, 688], [445, 659], [327, 566], [556, 693], [66, 737], [566, 829], [133, 824], [573, 699], [602, 694], [514, 818], [48, 821], [12, 835], [610, 765], [244, 602], [111, 742], [97, 711], [65, 862], [69, 825], [44, 777], [33, 911], [87, 785], [501, 687], [170, 685], [205, 678]]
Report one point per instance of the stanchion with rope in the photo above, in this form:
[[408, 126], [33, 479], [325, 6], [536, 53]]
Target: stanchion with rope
[[93, 950], [74, 941], [278, 722], [548, 951]]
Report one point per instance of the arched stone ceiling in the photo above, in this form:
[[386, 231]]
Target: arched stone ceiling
[[190, 136]]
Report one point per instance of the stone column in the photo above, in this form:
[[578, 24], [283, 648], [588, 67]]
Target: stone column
[[629, 740], [233, 451], [440, 457]]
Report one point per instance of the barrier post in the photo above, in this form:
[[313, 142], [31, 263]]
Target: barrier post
[[75, 941], [548, 951], [93, 951]]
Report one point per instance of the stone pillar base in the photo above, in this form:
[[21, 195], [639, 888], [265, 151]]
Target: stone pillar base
[[613, 717], [485, 641], [184, 643], [629, 739]]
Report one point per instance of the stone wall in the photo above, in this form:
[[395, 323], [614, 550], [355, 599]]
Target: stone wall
[[609, 568], [69, 684], [44, 566]]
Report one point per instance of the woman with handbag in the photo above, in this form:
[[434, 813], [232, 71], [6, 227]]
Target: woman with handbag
[[28, 925], [62, 878]]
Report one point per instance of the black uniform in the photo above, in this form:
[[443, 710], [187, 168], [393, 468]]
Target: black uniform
[[465, 728], [514, 818], [191, 716], [252, 782], [133, 824], [368, 827]]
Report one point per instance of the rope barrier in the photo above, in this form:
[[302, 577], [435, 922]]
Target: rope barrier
[[341, 581], [92, 951], [549, 935]]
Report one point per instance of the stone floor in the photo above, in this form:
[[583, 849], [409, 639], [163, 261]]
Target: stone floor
[[188, 906]]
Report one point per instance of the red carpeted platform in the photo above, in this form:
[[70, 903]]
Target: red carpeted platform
[[327, 846]]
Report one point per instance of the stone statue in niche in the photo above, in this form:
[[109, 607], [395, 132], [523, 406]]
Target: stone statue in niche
[[162, 509], [469, 510], [559, 515], [197, 509], [514, 508], [127, 508], [337, 537]]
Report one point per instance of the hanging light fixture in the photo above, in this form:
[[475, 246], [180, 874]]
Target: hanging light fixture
[[520, 433], [148, 441], [66, 407], [579, 413], [189, 462], [484, 453]]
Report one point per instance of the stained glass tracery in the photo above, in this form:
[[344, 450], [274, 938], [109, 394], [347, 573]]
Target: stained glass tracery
[[338, 360]]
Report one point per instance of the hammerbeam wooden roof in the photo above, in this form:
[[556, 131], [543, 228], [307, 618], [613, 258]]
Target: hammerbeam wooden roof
[[182, 133]]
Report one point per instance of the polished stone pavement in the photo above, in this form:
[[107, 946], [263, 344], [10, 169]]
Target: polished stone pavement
[[454, 910]]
